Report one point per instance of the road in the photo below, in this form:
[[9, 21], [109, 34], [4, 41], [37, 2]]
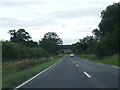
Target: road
[[73, 72]]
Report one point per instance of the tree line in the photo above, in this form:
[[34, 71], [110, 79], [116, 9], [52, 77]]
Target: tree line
[[22, 46], [104, 41]]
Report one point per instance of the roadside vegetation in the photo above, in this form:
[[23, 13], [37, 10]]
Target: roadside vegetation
[[103, 46], [111, 60], [22, 57], [21, 46], [19, 51], [17, 72]]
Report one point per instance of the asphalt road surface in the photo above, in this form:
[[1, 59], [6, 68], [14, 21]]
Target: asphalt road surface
[[73, 72]]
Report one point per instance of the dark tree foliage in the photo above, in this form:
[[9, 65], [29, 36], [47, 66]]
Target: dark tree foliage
[[97, 34], [15, 51], [83, 45], [22, 37], [110, 19], [105, 39], [66, 46], [109, 29], [51, 42], [19, 36], [31, 43], [53, 36], [76, 48]]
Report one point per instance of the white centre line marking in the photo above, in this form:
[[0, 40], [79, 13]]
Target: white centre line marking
[[115, 66], [87, 74], [77, 65], [72, 61]]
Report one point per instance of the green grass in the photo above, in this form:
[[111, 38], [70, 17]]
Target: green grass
[[15, 77], [110, 60]]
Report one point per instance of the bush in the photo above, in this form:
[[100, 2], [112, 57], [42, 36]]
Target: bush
[[107, 46], [12, 51]]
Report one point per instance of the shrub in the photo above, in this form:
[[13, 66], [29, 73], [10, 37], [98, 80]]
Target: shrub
[[12, 51]]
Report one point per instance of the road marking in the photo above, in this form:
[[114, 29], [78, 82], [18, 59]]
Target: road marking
[[77, 65], [115, 66], [87, 74], [35, 76], [72, 61]]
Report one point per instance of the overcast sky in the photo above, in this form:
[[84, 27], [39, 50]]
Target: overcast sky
[[70, 19]]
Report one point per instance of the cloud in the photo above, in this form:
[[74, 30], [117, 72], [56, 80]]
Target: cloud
[[70, 19], [22, 4], [19, 1], [26, 22], [81, 12], [75, 37]]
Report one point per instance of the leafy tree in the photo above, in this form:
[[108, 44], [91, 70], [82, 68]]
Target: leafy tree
[[110, 19], [83, 45], [97, 34], [105, 41], [76, 48], [20, 36], [51, 42], [109, 31], [17, 51], [31, 43], [53, 36]]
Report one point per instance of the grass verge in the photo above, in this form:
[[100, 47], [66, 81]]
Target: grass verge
[[110, 60], [15, 77]]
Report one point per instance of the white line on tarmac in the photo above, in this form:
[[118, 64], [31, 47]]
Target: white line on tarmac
[[72, 61], [77, 65], [115, 66], [87, 74], [35, 76]]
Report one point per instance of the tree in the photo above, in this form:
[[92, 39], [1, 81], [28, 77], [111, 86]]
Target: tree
[[53, 36], [109, 31], [51, 42], [83, 45], [76, 48], [97, 34], [31, 43], [20, 36], [110, 19]]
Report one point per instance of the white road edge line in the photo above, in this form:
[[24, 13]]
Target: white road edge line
[[87, 74], [35, 76]]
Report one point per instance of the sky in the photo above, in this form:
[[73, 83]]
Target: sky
[[70, 19]]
